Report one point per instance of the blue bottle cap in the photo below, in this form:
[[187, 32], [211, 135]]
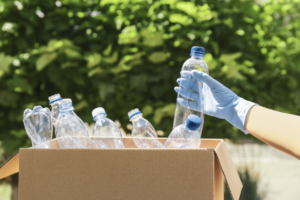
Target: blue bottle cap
[[197, 51], [193, 122]]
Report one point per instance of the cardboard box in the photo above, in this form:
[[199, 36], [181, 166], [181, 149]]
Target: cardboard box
[[125, 174]]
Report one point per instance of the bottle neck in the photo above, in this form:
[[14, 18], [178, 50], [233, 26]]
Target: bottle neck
[[136, 117], [67, 113], [100, 116], [55, 105], [197, 57]]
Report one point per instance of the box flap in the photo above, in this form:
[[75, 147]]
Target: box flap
[[229, 170], [10, 167]]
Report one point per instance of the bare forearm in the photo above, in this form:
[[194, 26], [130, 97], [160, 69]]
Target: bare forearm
[[277, 129]]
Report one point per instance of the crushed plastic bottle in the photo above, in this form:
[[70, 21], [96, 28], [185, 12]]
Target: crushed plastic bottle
[[143, 133], [70, 130], [38, 126], [55, 101], [106, 133], [185, 135], [196, 62]]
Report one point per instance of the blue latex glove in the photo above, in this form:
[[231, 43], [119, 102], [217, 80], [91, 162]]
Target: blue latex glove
[[218, 100]]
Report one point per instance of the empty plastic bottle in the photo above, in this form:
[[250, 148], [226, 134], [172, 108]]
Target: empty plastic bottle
[[38, 126], [185, 135], [143, 133], [55, 101], [185, 108], [70, 130], [106, 133]]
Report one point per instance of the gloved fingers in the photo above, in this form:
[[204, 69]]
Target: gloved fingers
[[200, 76], [188, 75], [187, 94], [187, 84], [188, 104]]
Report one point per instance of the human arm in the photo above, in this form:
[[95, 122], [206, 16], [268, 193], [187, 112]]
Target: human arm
[[277, 129]]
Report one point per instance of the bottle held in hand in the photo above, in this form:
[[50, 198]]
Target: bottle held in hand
[[70, 130], [185, 105], [143, 133], [38, 126], [106, 133], [55, 101], [186, 135]]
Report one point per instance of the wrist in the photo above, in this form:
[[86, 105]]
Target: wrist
[[240, 108]]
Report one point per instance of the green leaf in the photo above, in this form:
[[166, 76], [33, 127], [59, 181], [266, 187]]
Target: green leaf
[[166, 111], [158, 57], [45, 60], [72, 53], [5, 61], [129, 35], [69, 64], [108, 49], [147, 110], [181, 19], [95, 71], [226, 58], [93, 60], [151, 38], [188, 7], [81, 105], [112, 59]]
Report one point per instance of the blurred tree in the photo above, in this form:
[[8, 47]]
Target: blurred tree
[[126, 54]]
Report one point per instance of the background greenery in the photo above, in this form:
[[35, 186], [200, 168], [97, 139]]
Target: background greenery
[[122, 54], [126, 54]]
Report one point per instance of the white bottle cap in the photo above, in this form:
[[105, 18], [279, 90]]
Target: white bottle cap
[[97, 111], [54, 98], [133, 112], [66, 101]]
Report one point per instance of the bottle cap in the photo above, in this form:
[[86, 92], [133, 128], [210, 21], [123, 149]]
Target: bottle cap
[[193, 122], [66, 105], [197, 51], [97, 111], [133, 113], [54, 98]]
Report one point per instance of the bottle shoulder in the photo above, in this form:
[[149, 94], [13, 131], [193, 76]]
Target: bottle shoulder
[[105, 122], [195, 64]]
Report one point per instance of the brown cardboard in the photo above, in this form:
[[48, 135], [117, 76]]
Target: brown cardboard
[[10, 167], [129, 173]]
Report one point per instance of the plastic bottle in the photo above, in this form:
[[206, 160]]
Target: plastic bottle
[[70, 130], [186, 135], [38, 126], [55, 101], [143, 133], [106, 133], [196, 62]]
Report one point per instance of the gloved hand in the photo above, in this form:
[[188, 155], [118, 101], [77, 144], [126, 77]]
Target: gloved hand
[[218, 100]]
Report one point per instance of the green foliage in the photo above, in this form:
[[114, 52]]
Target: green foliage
[[127, 54]]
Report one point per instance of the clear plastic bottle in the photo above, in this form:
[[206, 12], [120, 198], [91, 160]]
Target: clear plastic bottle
[[143, 133], [55, 101], [196, 62], [106, 133], [38, 125], [70, 130], [186, 135]]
